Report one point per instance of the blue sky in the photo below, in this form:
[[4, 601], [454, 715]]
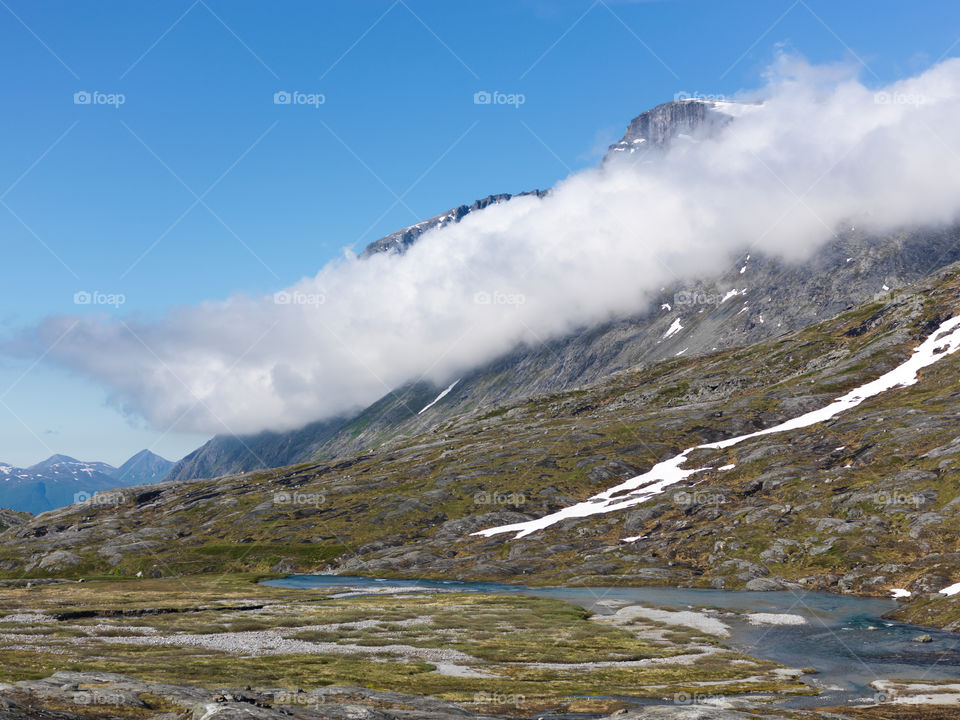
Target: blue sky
[[199, 186]]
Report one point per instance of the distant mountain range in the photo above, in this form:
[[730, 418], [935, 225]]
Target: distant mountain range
[[61, 480]]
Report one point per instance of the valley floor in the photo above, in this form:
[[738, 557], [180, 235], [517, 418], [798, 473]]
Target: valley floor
[[167, 648]]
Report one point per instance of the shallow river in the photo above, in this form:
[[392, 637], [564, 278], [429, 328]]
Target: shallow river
[[835, 638]]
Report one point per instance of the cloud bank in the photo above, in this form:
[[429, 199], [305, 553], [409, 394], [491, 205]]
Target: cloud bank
[[822, 149]]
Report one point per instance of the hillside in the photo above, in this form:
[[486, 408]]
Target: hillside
[[863, 503]]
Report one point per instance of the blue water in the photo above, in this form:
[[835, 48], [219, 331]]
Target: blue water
[[835, 640]]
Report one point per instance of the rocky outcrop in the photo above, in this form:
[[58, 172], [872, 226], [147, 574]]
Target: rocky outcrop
[[104, 695], [99, 696], [656, 129], [400, 240], [10, 518]]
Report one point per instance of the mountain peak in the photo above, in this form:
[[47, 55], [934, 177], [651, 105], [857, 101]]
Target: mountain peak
[[656, 128], [55, 459], [143, 455], [144, 467]]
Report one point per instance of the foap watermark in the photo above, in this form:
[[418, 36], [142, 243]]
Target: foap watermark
[[84, 297], [314, 100], [704, 97], [685, 698], [103, 498], [99, 697], [488, 498], [299, 298], [293, 697], [499, 698], [895, 498], [483, 97], [696, 297], [499, 298], [95, 97], [899, 98], [295, 498], [698, 497]]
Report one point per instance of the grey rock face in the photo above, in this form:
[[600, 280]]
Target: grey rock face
[[402, 239], [655, 129], [104, 695], [59, 559]]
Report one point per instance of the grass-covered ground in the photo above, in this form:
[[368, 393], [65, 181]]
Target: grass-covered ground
[[227, 631]]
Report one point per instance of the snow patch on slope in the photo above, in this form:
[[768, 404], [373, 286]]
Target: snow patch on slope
[[676, 327], [941, 343], [439, 397]]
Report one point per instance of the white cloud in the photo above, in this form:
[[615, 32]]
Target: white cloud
[[823, 149]]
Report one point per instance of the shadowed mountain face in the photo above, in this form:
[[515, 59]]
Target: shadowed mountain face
[[144, 467], [756, 298], [61, 480]]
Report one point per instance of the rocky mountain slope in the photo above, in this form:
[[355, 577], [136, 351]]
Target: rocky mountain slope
[[399, 241], [9, 518], [866, 502], [656, 129], [756, 298], [61, 480]]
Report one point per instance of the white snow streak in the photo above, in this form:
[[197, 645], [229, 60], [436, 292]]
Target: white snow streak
[[673, 329], [952, 590], [944, 341], [439, 397]]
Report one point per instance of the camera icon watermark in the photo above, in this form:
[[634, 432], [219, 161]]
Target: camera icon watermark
[[84, 297], [285, 297], [884, 696], [95, 97], [483, 97], [314, 100]]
